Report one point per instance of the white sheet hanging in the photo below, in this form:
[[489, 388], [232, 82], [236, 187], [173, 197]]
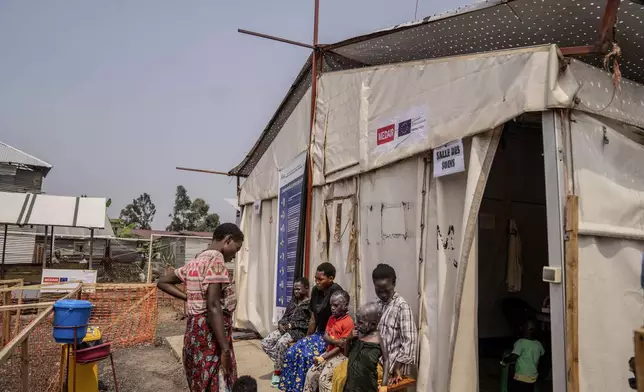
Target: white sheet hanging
[[515, 266]]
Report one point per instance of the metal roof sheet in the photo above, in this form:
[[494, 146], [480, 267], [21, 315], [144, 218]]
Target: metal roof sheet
[[9, 154]]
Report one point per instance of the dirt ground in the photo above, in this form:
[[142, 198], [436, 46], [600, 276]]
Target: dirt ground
[[149, 368], [155, 368]]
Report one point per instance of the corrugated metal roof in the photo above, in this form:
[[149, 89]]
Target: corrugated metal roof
[[160, 233], [9, 154], [481, 27]]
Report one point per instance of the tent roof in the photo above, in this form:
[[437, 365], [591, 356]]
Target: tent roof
[[481, 27], [12, 155]]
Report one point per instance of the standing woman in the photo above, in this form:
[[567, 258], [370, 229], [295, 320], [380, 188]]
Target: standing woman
[[208, 356]]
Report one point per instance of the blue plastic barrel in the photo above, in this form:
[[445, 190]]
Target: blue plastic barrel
[[71, 314]]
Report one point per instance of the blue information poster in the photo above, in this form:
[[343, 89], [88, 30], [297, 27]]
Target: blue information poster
[[290, 214]]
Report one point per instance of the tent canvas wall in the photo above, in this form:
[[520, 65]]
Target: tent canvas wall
[[396, 207]]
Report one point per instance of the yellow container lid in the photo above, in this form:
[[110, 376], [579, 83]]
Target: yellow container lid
[[93, 334]]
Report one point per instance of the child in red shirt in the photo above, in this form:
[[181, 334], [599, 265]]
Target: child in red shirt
[[338, 329]]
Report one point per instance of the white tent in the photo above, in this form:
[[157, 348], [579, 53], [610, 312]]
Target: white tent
[[593, 152]]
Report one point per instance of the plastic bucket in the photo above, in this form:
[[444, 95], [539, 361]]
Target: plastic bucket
[[70, 315]]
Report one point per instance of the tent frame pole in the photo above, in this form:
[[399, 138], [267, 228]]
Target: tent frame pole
[[4, 250], [555, 191], [316, 70]]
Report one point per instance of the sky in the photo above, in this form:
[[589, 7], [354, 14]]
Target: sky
[[116, 94]]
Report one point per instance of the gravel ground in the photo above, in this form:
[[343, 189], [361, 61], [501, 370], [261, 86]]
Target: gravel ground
[[151, 368]]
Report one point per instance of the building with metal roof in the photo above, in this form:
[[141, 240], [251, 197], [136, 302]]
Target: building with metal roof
[[12, 156]]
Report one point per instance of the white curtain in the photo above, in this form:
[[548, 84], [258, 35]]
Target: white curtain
[[449, 327], [255, 269]]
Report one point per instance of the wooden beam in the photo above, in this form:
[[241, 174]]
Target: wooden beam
[[6, 318], [36, 286], [12, 281], [204, 171], [572, 301], [609, 18], [7, 351], [24, 365], [579, 50], [36, 305], [639, 359]]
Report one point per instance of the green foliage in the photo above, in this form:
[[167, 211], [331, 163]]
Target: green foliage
[[161, 251], [121, 230], [188, 215], [140, 213]]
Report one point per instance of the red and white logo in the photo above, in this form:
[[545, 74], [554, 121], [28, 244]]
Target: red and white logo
[[51, 279], [386, 134]]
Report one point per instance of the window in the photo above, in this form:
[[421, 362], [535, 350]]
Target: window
[[79, 247]]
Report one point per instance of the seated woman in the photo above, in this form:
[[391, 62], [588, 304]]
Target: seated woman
[[299, 358], [365, 348], [292, 327], [338, 329]]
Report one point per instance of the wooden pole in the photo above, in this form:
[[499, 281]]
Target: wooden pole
[[4, 250], [24, 365], [149, 279], [51, 245], [572, 301], [44, 249], [18, 313], [639, 359], [204, 171], [309, 182], [91, 247], [6, 317]]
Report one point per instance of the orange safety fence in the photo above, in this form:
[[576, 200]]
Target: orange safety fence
[[176, 304], [125, 313]]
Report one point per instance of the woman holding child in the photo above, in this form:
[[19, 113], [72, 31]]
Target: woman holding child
[[299, 358]]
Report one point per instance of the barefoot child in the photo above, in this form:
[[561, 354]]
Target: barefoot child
[[365, 349], [338, 329], [526, 354]]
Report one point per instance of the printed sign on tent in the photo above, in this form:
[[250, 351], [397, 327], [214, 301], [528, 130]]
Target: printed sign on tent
[[449, 159], [407, 127], [257, 207], [290, 201]]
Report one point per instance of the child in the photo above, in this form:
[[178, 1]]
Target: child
[[365, 349], [245, 384], [291, 328], [338, 329], [299, 358], [526, 354]]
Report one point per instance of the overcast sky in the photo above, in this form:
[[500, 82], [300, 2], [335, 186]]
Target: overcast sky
[[115, 94]]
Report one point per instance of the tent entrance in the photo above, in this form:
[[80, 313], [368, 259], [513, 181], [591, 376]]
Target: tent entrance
[[512, 251]]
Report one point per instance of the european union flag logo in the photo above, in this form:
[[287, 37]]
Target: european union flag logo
[[404, 128]]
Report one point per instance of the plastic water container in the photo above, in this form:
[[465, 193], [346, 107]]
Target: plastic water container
[[71, 313]]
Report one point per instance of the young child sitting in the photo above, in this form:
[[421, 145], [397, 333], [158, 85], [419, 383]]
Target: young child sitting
[[525, 355], [338, 329], [365, 348], [245, 384]]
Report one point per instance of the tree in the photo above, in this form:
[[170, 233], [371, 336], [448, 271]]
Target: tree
[[139, 213], [190, 215], [181, 211]]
